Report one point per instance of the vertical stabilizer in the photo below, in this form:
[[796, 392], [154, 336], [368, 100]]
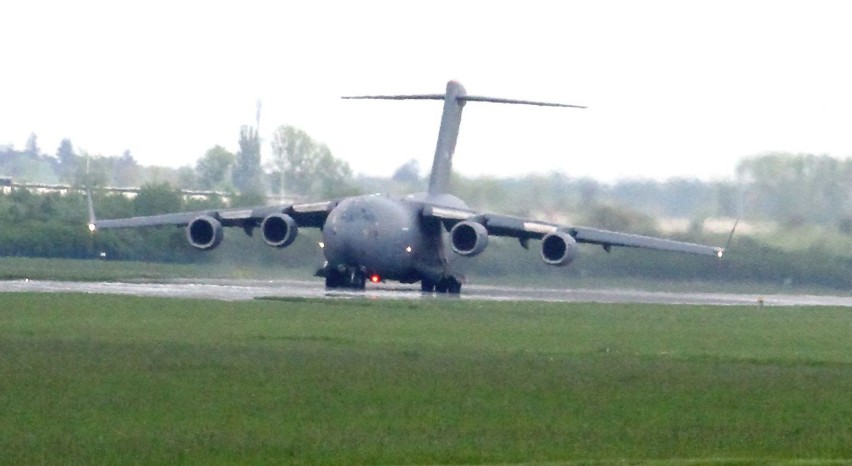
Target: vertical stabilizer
[[442, 164]]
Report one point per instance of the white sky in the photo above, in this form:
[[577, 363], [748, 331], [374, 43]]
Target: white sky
[[674, 88]]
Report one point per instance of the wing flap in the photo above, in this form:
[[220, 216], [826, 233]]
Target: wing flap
[[608, 238], [516, 227], [306, 215], [177, 219], [447, 213], [497, 225]]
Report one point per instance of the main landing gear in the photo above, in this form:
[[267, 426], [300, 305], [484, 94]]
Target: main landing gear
[[355, 278], [352, 278], [449, 285]]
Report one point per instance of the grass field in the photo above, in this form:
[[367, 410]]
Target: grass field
[[91, 379], [18, 268]]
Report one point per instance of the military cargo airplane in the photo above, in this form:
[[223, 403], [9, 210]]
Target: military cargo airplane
[[413, 239]]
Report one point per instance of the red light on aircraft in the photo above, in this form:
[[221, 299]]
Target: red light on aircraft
[[375, 278]]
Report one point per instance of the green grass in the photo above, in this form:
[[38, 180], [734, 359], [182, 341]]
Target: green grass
[[18, 268], [107, 379]]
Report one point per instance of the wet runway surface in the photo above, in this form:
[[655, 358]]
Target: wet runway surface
[[240, 290]]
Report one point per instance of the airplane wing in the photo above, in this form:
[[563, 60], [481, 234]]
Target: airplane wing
[[526, 229], [305, 215]]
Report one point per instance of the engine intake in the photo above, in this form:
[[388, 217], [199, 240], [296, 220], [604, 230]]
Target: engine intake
[[558, 248], [204, 232], [279, 230], [468, 238]]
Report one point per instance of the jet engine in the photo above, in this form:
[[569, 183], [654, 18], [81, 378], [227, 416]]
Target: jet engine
[[558, 248], [279, 230], [468, 238], [204, 232]]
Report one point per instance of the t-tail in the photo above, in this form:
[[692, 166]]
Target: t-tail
[[454, 99]]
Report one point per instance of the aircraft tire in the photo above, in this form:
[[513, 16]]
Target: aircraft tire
[[448, 285], [358, 280], [427, 286], [333, 279], [453, 286]]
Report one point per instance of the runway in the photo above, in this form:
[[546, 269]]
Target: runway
[[242, 290]]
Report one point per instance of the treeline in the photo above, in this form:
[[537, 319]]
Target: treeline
[[53, 225], [788, 189], [297, 166], [800, 195]]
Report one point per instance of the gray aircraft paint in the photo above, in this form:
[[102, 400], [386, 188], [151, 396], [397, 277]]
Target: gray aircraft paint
[[448, 134], [412, 239]]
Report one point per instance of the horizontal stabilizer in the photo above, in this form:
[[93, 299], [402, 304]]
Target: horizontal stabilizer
[[461, 98], [398, 97], [476, 98]]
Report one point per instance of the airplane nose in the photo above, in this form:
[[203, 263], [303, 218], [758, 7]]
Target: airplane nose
[[374, 233]]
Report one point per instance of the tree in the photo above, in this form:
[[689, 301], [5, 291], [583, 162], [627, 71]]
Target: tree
[[247, 174], [32, 148], [67, 160], [91, 171], [796, 189], [125, 170], [159, 198], [215, 167], [408, 173], [617, 218], [187, 178], [305, 167]]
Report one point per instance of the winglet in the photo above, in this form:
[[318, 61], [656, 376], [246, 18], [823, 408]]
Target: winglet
[[92, 220], [730, 237]]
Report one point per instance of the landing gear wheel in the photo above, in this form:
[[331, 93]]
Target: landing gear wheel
[[449, 285], [427, 286], [333, 279], [351, 278], [453, 286], [357, 279]]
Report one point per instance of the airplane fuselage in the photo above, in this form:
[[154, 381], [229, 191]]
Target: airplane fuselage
[[385, 237]]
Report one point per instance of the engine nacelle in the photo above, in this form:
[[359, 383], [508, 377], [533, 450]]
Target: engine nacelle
[[558, 248], [204, 232], [279, 230], [468, 238]]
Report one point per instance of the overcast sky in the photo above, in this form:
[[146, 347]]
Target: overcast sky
[[674, 88]]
